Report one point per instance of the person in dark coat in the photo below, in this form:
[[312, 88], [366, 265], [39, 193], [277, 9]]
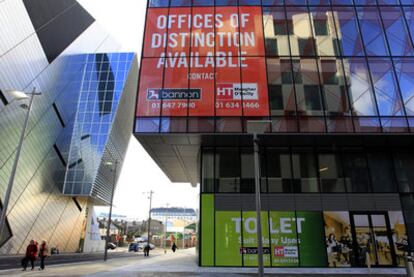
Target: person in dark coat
[[43, 253], [31, 252], [147, 249], [174, 247]]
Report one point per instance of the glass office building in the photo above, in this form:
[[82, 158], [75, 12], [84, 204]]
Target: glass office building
[[80, 122], [334, 77]]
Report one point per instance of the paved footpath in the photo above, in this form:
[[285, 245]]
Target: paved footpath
[[183, 263]]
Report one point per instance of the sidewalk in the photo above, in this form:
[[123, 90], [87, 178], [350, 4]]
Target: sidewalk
[[184, 263]]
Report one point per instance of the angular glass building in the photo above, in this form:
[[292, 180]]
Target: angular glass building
[[334, 77], [79, 124]]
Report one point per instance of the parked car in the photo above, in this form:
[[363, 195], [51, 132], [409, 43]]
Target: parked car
[[111, 246], [133, 247], [142, 245]]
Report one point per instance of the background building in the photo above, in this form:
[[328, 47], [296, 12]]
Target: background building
[[75, 125], [161, 214], [334, 78]]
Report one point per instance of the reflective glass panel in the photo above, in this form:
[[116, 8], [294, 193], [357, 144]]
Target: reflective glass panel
[[281, 90], [359, 87], [372, 34], [386, 89], [301, 38], [405, 75], [396, 31], [347, 31]]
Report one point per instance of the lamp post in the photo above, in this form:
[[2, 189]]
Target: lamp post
[[256, 127], [110, 207], [149, 215], [16, 95]]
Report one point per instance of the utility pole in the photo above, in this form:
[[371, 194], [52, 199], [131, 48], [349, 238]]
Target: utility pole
[[165, 229], [149, 215]]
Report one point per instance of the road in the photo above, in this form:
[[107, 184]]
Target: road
[[183, 263]]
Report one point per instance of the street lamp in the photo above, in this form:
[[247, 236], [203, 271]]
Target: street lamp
[[115, 165], [16, 95], [256, 127]]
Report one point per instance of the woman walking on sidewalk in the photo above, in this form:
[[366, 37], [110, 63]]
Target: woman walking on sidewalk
[[31, 252], [43, 253]]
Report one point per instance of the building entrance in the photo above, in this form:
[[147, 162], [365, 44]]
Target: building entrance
[[372, 236]]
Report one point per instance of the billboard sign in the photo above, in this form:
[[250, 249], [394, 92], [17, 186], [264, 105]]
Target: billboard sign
[[203, 61]]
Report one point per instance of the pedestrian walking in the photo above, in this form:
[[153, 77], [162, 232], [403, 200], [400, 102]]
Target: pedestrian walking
[[31, 252], [147, 249], [174, 247], [43, 253]]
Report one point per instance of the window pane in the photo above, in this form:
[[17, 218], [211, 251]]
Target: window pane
[[150, 87], [281, 93], [227, 170], [382, 172], [224, 31], [153, 46], [208, 170], [356, 172], [386, 90], [359, 87], [330, 172], [371, 30], [252, 30], [203, 36], [304, 171], [203, 2], [301, 39], [347, 31], [276, 29], [226, 2], [405, 74], [158, 3], [333, 87], [404, 164], [396, 31], [409, 16], [308, 93], [250, 2], [255, 96], [247, 184], [324, 28], [180, 3], [278, 170]]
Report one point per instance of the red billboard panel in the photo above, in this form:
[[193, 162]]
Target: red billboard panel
[[200, 64]]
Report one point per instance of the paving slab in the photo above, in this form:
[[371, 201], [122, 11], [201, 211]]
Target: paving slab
[[184, 263]]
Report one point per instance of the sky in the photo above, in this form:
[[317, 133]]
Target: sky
[[124, 20]]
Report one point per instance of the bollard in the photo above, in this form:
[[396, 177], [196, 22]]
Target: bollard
[[409, 266]]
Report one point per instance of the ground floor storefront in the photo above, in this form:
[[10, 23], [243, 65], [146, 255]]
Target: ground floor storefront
[[302, 238], [322, 206]]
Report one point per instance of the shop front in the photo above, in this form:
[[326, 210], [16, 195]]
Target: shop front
[[303, 238]]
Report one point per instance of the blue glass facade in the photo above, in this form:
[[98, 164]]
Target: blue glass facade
[[103, 82]]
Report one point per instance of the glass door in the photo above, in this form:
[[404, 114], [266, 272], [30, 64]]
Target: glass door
[[372, 239]]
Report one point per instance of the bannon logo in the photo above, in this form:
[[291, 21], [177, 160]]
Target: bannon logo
[[247, 91], [174, 94]]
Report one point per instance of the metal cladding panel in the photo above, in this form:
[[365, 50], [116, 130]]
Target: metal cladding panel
[[308, 202], [334, 202], [55, 25], [361, 202], [387, 202]]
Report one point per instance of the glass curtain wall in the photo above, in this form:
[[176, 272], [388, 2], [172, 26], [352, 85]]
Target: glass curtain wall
[[322, 66]]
